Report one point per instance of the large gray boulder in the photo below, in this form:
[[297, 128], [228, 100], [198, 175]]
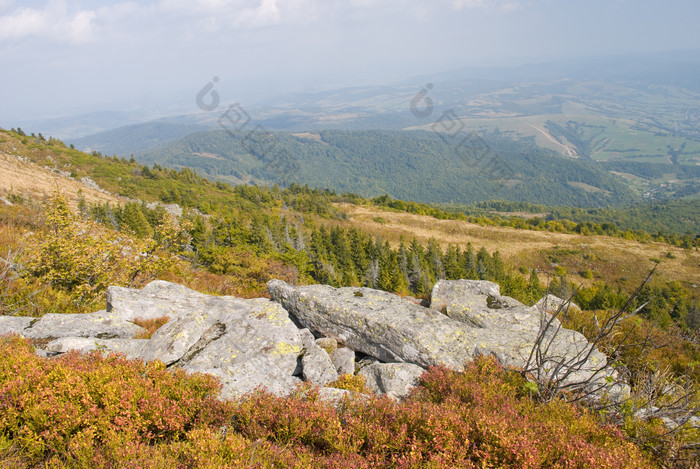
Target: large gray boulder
[[482, 322], [508, 330], [180, 334], [379, 324], [476, 302], [393, 379], [252, 347]]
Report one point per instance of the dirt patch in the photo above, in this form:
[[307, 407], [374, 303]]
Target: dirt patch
[[526, 215], [209, 155], [588, 187], [310, 136]]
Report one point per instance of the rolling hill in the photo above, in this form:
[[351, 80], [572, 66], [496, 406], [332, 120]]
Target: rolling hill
[[420, 166]]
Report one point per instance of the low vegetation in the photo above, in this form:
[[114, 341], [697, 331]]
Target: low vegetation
[[90, 411], [100, 411]]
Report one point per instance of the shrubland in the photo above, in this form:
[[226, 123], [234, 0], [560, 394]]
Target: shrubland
[[60, 255], [103, 411]]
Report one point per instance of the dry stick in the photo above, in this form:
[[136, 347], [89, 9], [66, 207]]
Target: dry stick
[[575, 363]]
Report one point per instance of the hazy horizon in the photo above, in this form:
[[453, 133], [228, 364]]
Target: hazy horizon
[[67, 57]]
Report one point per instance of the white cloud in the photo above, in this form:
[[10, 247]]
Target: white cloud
[[233, 14], [52, 21], [504, 5], [459, 4]]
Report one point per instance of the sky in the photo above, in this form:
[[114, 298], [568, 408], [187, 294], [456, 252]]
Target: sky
[[65, 57]]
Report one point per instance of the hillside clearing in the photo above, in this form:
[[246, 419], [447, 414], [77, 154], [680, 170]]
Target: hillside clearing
[[617, 259]]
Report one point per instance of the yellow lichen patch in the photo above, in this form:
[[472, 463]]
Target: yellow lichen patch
[[283, 348], [276, 316]]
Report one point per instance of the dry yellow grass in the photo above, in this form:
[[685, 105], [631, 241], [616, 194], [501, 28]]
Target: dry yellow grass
[[25, 178], [613, 259]]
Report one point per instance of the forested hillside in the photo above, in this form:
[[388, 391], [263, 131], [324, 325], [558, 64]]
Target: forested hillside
[[418, 166]]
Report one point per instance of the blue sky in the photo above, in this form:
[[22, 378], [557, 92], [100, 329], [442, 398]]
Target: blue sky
[[61, 57]]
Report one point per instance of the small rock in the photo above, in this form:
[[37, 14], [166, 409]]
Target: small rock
[[317, 367], [393, 379], [366, 361], [328, 344], [344, 360], [335, 397]]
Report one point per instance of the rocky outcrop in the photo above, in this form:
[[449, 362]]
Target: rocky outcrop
[[245, 343], [256, 343], [377, 323], [466, 318]]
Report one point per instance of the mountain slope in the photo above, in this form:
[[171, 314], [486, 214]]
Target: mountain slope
[[410, 165]]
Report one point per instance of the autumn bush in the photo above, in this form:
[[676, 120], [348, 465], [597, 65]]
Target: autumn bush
[[107, 411], [150, 326], [89, 410]]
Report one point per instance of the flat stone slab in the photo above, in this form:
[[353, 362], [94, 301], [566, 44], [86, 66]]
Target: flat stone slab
[[131, 348], [100, 325], [158, 298]]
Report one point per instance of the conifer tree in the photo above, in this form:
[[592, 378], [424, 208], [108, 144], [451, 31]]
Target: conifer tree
[[454, 268], [534, 287], [132, 217]]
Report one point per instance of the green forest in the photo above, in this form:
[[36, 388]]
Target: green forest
[[410, 165]]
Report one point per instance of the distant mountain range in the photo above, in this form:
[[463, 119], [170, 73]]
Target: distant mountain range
[[634, 118]]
